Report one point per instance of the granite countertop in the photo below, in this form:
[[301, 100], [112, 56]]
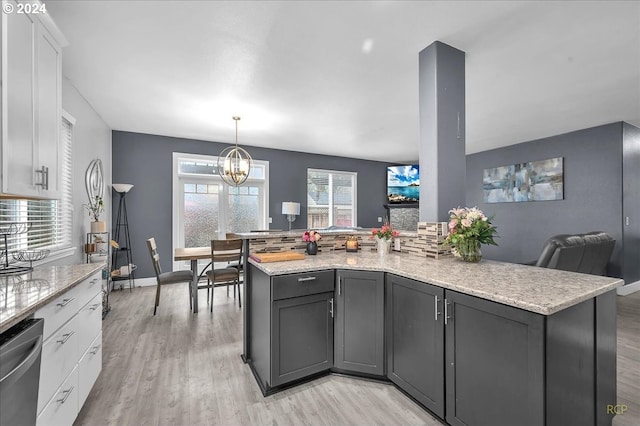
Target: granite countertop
[[22, 295], [540, 290]]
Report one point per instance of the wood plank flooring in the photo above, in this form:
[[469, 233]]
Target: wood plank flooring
[[182, 369], [629, 359]]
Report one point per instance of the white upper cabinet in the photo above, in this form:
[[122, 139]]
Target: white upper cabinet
[[31, 103]]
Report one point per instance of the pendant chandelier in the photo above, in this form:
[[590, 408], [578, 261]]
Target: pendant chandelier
[[234, 163]]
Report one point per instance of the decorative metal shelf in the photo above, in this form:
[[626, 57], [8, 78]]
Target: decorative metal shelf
[[8, 258]]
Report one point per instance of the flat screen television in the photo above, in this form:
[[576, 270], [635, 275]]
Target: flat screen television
[[403, 184]]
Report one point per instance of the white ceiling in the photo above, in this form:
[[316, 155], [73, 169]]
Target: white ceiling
[[341, 78]]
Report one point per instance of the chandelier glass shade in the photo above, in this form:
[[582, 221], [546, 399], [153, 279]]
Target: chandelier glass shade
[[234, 163]]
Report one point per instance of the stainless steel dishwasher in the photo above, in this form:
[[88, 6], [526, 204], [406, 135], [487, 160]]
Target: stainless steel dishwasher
[[20, 350]]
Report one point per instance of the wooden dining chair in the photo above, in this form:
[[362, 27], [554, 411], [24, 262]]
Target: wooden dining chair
[[228, 252], [166, 277]]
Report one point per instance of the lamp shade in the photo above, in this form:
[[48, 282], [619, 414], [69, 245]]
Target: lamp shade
[[121, 187], [289, 207]]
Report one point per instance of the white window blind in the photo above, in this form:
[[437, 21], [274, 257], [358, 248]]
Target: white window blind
[[41, 224], [65, 228], [331, 197]]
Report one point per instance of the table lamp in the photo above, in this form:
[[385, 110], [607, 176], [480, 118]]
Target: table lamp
[[291, 209]]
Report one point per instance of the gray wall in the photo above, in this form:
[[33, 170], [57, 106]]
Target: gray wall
[[146, 162], [91, 140], [592, 193]]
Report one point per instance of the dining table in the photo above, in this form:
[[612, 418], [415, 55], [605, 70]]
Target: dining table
[[193, 254]]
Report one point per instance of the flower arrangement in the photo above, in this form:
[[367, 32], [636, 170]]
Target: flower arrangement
[[311, 236], [385, 232], [468, 228], [95, 207]]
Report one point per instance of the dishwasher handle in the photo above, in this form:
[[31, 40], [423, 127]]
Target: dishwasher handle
[[15, 374]]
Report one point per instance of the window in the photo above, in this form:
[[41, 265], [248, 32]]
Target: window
[[42, 224], [206, 208], [331, 196]]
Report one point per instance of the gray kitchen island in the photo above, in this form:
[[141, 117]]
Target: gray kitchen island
[[491, 343]]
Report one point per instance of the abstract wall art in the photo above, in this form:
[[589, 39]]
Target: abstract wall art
[[532, 181]]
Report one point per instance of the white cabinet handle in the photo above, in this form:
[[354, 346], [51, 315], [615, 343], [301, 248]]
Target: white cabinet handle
[[306, 279], [94, 306]]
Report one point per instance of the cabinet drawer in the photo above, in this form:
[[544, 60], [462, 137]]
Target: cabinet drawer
[[295, 285], [89, 322], [89, 288], [58, 311], [59, 357], [89, 368], [63, 407]]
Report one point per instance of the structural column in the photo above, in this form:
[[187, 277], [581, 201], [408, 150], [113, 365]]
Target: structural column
[[442, 131]]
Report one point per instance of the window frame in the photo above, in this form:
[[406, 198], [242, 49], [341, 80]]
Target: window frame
[[177, 217], [354, 176]]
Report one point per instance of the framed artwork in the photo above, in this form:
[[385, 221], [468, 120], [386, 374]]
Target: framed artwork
[[533, 181]]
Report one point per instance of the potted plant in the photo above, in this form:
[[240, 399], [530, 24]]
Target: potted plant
[[95, 208]]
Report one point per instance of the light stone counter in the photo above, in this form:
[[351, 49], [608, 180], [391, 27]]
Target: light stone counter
[[540, 290], [22, 295]]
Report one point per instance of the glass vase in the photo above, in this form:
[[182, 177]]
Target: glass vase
[[469, 250], [383, 246]]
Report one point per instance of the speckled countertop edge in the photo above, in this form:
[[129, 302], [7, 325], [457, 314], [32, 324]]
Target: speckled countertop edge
[[540, 290], [19, 299]]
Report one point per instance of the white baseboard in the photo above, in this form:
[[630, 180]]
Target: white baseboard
[[139, 282], [146, 282], [628, 289]]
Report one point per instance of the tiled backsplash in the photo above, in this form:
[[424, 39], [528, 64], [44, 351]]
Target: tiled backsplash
[[427, 242]]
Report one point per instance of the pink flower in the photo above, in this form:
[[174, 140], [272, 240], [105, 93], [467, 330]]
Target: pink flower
[[311, 236], [466, 223], [453, 223]]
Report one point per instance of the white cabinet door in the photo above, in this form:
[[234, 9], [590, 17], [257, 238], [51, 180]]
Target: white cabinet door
[[31, 107], [48, 104], [62, 410], [18, 146], [89, 323], [59, 358], [89, 369]]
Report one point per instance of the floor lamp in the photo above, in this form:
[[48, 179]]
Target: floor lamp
[[122, 238]]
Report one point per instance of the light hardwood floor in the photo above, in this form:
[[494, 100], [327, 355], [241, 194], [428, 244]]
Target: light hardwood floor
[[182, 369]]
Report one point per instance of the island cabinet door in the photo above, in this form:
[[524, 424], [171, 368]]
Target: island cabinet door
[[415, 340], [494, 363], [359, 322], [302, 337]]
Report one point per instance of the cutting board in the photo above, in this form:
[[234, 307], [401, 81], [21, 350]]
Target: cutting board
[[276, 257]]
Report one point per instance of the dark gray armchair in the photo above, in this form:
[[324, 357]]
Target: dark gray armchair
[[586, 253]]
